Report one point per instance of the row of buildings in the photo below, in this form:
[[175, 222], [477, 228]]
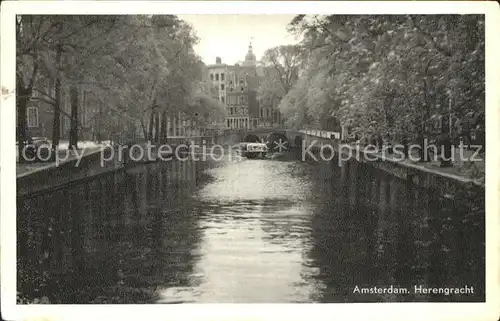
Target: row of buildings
[[233, 86]]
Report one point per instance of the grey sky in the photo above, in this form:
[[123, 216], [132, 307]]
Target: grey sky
[[228, 36]]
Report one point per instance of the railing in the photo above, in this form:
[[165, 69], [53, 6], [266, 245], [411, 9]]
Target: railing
[[320, 133], [311, 132], [254, 129]]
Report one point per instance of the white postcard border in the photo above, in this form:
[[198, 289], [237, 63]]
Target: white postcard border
[[408, 311]]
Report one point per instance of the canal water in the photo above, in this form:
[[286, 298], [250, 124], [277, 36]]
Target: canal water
[[247, 231]]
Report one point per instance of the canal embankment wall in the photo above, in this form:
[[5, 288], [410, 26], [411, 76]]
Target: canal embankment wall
[[443, 183], [73, 169], [104, 160], [92, 164]]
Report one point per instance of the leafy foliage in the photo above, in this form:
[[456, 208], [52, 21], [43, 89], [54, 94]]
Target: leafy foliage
[[281, 68], [387, 74], [132, 66]]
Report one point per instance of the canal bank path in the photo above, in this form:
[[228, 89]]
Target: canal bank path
[[65, 155], [87, 148]]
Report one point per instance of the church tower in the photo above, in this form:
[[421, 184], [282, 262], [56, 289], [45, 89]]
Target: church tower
[[250, 60]]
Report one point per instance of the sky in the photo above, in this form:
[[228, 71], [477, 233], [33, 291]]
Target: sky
[[228, 36]]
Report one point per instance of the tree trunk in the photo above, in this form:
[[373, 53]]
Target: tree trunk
[[98, 125], [421, 135], [23, 95], [144, 129], [151, 124], [73, 132], [56, 122], [163, 128], [21, 106], [133, 126], [157, 127]]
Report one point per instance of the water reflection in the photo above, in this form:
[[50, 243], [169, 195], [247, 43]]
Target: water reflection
[[114, 239], [373, 230], [250, 231]]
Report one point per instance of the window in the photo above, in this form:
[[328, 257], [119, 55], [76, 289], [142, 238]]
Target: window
[[221, 86], [222, 76], [242, 89], [211, 76], [230, 82], [231, 89], [242, 81], [216, 77], [32, 117], [223, 99]]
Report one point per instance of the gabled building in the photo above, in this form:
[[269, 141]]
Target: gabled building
[[237, 90]]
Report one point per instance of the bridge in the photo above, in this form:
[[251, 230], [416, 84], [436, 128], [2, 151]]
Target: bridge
[[292, 137]]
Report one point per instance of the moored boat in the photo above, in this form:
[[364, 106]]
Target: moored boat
[[253, 150]]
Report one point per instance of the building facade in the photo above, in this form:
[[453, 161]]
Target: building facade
[[92, 113], [237, 87], [40, 112]]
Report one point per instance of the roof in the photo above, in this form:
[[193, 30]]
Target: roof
[[217, 66]]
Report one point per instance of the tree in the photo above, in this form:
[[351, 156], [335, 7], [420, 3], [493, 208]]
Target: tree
[[30, 35], [136, 69], [389, 74], [44, 44], [282, 65]]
